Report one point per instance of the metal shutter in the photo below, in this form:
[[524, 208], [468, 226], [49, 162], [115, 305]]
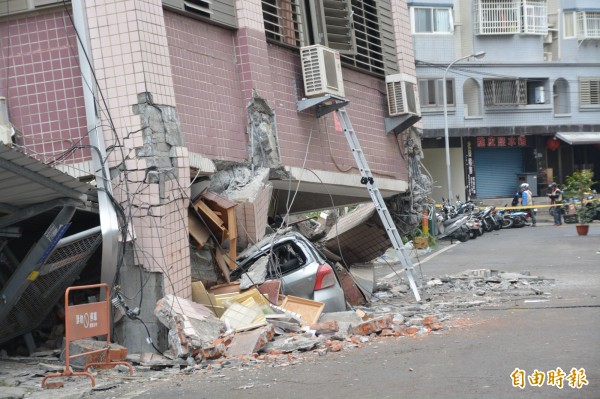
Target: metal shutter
[[496, 171]]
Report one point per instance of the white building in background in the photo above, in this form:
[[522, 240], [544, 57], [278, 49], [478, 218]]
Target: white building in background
[[519, 113]]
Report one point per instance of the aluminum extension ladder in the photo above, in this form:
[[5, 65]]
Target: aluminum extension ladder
[[382, 210]]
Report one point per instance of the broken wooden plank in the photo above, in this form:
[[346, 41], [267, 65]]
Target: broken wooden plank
[[198, 230], [215, 223]]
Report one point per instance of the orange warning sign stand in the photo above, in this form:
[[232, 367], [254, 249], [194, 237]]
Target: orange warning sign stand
[[86, 321]]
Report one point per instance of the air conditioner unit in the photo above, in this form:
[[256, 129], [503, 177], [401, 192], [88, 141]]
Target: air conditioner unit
[[547, 56], [401, 95], [548, 38], [322, 71]]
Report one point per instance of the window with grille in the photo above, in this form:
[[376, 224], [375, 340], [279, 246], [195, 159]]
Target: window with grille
[[503, 17], [431, 20], [431, 92], [361, 30], [589, 91], [588, 25], [283, 23], [375, 44], [504, 92], [535, 17]]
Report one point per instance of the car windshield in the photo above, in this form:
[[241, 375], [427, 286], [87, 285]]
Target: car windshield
[[285, 257]]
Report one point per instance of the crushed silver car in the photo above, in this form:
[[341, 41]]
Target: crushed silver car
[[302, 269]]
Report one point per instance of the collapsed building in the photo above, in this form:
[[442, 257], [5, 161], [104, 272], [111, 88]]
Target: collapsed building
[[157, 102]]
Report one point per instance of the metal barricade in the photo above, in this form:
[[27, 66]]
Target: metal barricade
[[86, 321]]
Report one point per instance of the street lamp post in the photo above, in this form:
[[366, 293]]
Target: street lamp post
[[477, 55]]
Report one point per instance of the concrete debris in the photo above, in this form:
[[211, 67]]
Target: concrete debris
[[116, 353], [249, 342], [190, 324], [291, 344], [256, 275], [445, 293]]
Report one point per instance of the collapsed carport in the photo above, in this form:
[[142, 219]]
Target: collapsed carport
[[49, 229]]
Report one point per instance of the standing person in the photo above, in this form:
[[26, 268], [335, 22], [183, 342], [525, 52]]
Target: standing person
[[527, 199], [555, 196]]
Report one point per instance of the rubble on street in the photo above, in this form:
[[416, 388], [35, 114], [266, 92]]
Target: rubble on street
[[201, 342]]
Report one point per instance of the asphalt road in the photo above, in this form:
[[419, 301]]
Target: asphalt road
[[474, 359]]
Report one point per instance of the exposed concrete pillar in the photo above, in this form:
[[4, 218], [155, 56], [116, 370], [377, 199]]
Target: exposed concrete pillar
[[149, 164]]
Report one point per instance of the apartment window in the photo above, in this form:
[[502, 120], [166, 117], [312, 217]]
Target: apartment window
[[282, 20], [513, 92], [501, 17], [431, 92], [588, 25], [589, 91], [535, 17], [361, 30], [431, 20], [503, 92], [569, 25]]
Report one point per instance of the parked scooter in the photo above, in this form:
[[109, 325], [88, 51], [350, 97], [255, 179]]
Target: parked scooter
[[514, 219], [453, 228]]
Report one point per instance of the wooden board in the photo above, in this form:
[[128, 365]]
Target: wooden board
[[310, 311], [198, 230], [225, 288]]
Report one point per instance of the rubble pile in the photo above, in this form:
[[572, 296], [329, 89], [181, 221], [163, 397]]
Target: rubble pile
[[254, 331], [469, 288]]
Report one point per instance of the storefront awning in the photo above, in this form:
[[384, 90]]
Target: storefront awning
[[575, 138]]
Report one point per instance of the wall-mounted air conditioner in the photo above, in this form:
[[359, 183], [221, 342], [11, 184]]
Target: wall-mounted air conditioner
[[402, 95], [547, 56], [322, 71]]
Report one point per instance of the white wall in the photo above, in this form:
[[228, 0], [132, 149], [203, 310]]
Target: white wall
[[435, 162]]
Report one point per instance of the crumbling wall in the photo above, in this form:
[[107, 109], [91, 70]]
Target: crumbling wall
[[407, 208], [263, 146]]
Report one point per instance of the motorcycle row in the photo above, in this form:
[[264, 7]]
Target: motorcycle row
[[464, 220]]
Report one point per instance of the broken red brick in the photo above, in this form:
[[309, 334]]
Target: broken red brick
[[326, 327], [54, 385], [335, 346], [429, 320], [372, 326], [213, 351], [388, 332], [411, 330], [436, 326], [276, 352]]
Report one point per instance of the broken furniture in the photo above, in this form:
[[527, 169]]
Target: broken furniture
[[218, 214], [86, 321]]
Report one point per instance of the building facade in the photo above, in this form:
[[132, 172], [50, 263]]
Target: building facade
[[528, 111], [184, 89]]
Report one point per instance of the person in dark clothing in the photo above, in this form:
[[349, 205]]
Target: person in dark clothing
[[555, 196]]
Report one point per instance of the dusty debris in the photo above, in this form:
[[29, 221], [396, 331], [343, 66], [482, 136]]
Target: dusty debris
[[191, 325], [116, 353]]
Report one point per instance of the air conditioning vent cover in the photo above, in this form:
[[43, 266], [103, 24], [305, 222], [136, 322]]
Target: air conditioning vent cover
[[322, 71], [401, 95]]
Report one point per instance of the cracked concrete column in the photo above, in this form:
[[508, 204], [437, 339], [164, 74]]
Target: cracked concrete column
[[149, 164]]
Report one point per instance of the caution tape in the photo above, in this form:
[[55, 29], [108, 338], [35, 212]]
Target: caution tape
[[511, 208]]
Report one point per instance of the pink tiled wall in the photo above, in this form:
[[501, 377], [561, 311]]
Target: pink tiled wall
[[366, 111], [41, 79], [211, 93], [207, 88]]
